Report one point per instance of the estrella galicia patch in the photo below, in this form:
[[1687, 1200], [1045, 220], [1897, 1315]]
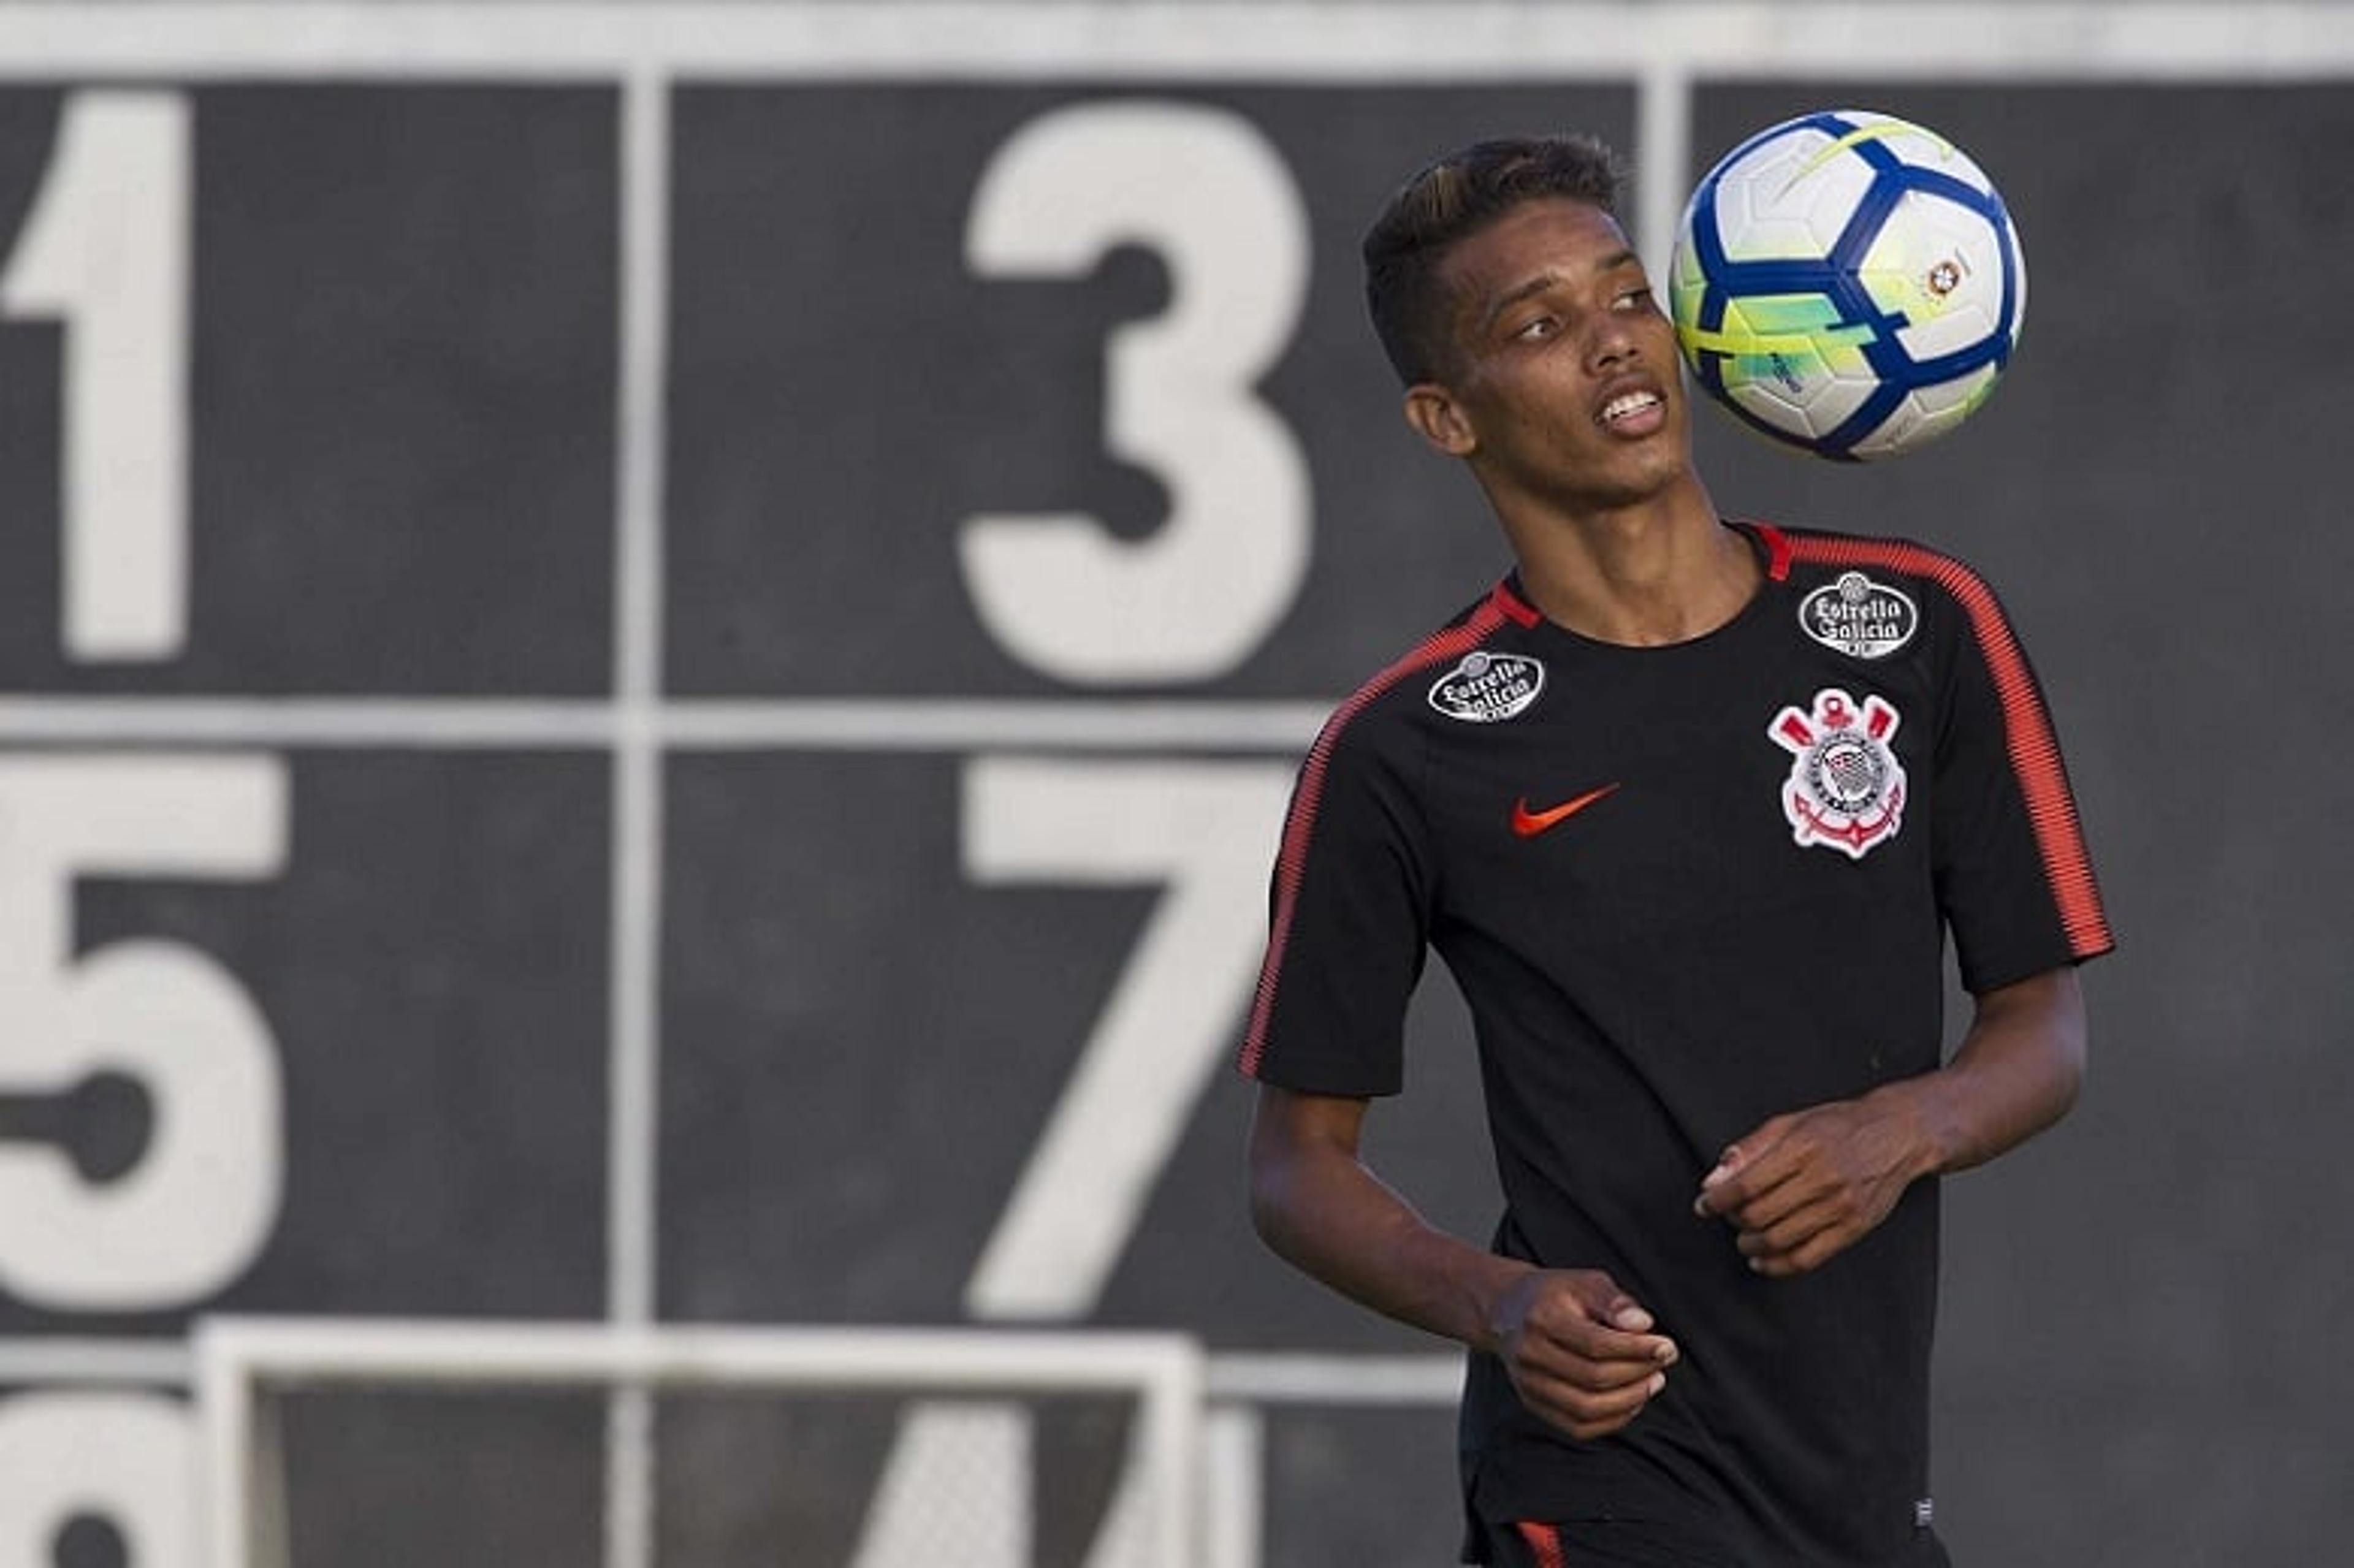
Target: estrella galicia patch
[[1859, 617], [1489, 688]]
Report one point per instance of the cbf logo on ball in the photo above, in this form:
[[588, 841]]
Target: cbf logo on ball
[[1846, 789], [1489, 688]]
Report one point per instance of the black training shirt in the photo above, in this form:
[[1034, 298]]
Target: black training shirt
[[1683, 889]]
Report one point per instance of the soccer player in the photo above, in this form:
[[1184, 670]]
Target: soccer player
[[1690, 808]]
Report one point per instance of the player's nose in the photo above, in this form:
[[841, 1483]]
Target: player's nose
[[1613, 344]]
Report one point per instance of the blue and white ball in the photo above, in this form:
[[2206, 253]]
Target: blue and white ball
[[1848, 283]]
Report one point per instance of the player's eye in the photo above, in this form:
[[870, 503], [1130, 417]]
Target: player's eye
[[1537, 328], [1635, 299]]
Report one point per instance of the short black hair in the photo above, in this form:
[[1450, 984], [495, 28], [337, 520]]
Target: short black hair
[[1448, 202]]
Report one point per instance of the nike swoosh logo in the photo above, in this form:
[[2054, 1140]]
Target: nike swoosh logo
[[1529, 824]]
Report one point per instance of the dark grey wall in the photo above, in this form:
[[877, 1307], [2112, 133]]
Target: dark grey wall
[[404, 384], [2149, 492]]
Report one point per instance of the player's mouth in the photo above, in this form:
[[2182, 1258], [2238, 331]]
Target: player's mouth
[[1637, 413]]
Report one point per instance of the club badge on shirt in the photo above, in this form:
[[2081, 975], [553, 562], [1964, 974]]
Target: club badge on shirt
[[1846, 788]]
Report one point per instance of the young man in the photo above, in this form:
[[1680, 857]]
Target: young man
[[1689, 808]]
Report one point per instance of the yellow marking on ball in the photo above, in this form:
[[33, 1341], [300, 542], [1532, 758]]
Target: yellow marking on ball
[[1856, 138], [1745, 342]]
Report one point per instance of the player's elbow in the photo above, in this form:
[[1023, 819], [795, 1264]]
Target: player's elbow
[[1271, 1183], [1266, 1217], [1302, 1162], [2054, 1005], [2068, 1076]]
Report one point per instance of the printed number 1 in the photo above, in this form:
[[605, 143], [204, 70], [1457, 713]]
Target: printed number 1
[[105, 251]]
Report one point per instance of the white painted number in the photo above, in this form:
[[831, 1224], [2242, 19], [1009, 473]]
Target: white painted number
[[105, 249], [1203, 190], [127, 1459], [1207, 831], [1200, 188], [201, 1200]]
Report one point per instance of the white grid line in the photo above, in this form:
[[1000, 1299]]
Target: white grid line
[[634, 1098], [47, 1362], [1288, 40], [675, 723], [637, 738], [1311, 1378], [1663, 156]]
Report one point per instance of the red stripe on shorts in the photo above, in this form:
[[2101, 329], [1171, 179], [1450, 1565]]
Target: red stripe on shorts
[[1544, 1544]]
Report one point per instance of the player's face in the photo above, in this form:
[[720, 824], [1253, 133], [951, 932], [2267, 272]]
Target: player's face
[[1565, 381]]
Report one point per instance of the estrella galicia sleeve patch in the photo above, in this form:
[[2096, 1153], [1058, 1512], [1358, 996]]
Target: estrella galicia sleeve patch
[[1489, 688], [1859, 617]]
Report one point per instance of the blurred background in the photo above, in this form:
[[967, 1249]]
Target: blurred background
[[649, 654]]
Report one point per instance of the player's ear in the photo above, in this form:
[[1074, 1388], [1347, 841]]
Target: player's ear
[[1439, 419]]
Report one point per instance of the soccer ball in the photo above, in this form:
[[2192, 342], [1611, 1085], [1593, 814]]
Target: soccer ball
[[1848, 283]]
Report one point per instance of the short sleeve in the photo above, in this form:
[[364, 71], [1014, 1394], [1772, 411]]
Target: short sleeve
[[2013, 875], [1349, 918]]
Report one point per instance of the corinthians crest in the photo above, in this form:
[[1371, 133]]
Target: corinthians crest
[[1846, 789]]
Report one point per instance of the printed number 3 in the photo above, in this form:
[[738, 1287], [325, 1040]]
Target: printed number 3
[[1203, 189]]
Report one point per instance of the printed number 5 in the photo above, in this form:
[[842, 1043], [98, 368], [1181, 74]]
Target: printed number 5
[[198, 1206]]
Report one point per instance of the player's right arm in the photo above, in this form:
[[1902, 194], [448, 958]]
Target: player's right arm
[[1350, 907], [1580, 1351]]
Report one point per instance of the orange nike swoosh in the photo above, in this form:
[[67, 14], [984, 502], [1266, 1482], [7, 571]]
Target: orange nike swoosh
[[1529, 824]]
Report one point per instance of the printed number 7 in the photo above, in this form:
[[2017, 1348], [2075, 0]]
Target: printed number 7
[[1208, 830]]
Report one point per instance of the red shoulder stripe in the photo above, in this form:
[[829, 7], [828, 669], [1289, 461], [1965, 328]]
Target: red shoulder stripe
[[1292, 861], [2034, 749], [1544, 1541]]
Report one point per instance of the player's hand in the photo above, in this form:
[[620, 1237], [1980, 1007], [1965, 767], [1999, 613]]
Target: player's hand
[[1803, 1188], [1580, 1351]]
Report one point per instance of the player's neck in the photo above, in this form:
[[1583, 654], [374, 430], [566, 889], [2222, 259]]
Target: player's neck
[[1666, 570]]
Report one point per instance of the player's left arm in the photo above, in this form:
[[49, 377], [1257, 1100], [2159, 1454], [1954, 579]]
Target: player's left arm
[[1803, 1187]]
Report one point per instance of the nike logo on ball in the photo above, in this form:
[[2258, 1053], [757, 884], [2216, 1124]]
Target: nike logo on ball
[[1529, 824]]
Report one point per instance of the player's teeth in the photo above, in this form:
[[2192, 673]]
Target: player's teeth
[[1619, 408]]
